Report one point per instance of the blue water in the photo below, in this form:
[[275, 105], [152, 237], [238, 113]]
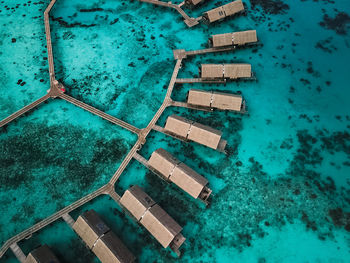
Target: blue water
[[282, 192]]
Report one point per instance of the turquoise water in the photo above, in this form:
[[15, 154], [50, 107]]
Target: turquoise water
[[282, 192]]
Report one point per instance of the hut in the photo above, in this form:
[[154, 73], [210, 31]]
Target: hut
[[226, 71], [216, 100], [101, 240], [193, 3], [42, 254], [234, 39], [221, 12], [90, 227], [110, 249], [189, 130], [236, 71], [172, 170], [149, 214]]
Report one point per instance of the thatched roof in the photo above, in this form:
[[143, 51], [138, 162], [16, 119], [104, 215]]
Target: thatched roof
[[177, 172], [193, 131], [219, 100], [136, 201], [194, 2], [205, 135], [162, 226], [211, 71], [199, 97], [236, 38], [225, 101], [224, 11], [153, 217], [244, 37], [110, 249], [230, 71], [235, 71], [42, 254], [233, 7], [90, 227], [178, 125], [163, 162]]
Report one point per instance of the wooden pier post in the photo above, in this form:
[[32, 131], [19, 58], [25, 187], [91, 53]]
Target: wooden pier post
[[68, 219], [18, 252], [141, 159]]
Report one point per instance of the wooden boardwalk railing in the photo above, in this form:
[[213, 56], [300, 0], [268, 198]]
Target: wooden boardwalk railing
[[99, 113], [141, 159], [190, 21], [28, 232], [109, 188], [146, 131], [208, 50], [181, 53], [17, 251], [199, 80], [142, 134], [48, 42], [23, 110]]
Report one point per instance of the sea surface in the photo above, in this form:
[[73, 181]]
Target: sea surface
[[280, 194]]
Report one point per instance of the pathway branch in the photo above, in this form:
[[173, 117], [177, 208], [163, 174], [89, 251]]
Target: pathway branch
[[23, 110], [99, 113], [28, 232]]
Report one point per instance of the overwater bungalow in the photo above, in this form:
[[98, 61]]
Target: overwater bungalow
[[226, 71], [192, 3], [173, 170], [194, 131], [110, 249], [215, 100], [42, 254], [234, 39], [149, 214], [230, 9], [101, 240]]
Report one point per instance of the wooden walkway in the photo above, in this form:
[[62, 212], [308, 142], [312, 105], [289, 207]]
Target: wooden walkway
[[23, 110], [17, 251], [68, 219], [177, 137], [189, 21], [28, 232], [182, 53], [48, 42], [143, 134], [189, 106], [200, 80], [99, 113], [51, 70], [141, 159], [202, 108]]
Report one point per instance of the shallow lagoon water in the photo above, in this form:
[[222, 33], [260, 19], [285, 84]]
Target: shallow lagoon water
[[281, 194]]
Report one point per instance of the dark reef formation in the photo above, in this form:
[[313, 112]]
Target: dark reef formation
[[270, 6], [64, 162], [339, 23]]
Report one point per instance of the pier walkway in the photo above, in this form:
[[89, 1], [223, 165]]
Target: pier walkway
[[200, 80], [49, 43], [182, 53], [188, 106], [23, 110], [28, 232], [143, 134], [56, 92], [99, 113], [141, 159], [17, 251], [189, 21]]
